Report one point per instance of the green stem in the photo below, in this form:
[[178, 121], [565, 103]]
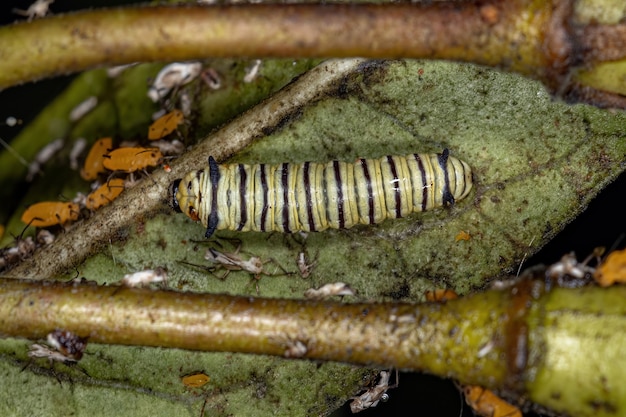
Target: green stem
[[523, 35], [426, 337], [533, 37], [560, 349]]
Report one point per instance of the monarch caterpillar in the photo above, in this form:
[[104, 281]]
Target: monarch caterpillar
[[316, 196]]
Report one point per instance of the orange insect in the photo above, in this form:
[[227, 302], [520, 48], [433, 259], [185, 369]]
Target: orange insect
[[165, 124], [195, 380], [105, 194], [132, 159], [441, 295], [612, 270], [462, 235], [95, 158], [486, 403], [50, 213]]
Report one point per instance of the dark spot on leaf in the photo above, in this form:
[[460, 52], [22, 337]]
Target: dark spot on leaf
[[401, 291], [603, 405]]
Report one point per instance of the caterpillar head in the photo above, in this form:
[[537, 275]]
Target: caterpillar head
[[172, 191]]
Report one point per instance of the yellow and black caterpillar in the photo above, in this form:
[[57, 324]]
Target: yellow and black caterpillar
[[315, 196]]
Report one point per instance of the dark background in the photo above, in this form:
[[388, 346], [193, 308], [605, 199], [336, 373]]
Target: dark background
[[602, 224]]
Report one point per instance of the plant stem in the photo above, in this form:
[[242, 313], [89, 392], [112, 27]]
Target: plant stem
[[533, 37], [561, 348]]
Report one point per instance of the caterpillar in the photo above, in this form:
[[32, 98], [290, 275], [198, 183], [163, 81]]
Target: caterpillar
[[316, 196]]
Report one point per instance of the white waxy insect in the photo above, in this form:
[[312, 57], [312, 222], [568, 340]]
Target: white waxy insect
[[185, 104], [83, 108], [42, 157], [252, 72], [36, 10], [173, 147], [234, 262], [211, 78], [43, 351], [569, 265], [145, 277], [295, 349], [485, 349], [68, 347], [328, 290], [569, 273], [81, 199], [23, 249], [171, 76], [45, 237], [304, 266], [69, 344], [77, 150], [372, 396]]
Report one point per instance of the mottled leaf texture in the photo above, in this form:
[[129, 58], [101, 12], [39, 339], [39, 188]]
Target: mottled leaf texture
[[536, 163]]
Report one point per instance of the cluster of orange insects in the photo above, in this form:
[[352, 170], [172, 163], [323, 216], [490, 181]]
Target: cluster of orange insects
[[102, 159]]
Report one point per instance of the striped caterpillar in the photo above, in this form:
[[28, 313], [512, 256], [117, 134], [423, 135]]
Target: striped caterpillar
[[316, 196]]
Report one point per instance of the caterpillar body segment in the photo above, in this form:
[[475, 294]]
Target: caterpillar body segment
[[317, 196]]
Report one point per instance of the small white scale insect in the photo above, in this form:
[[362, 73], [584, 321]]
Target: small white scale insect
[[43, 156], [304, 266], [252, 72], [372, 396], [171, 76], [328, 290], [83, 108], [36, 10], [68, 347], [77, 150], [145, 277], [234, 262]]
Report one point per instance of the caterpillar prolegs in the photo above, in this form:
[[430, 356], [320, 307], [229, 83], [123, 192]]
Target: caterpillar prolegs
[[317, 196]]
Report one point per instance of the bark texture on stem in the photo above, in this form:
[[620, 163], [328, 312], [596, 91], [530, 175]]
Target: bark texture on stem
[[561, 349], [525, 36]]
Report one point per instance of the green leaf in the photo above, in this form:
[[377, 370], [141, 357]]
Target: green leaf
[[536, 164]]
